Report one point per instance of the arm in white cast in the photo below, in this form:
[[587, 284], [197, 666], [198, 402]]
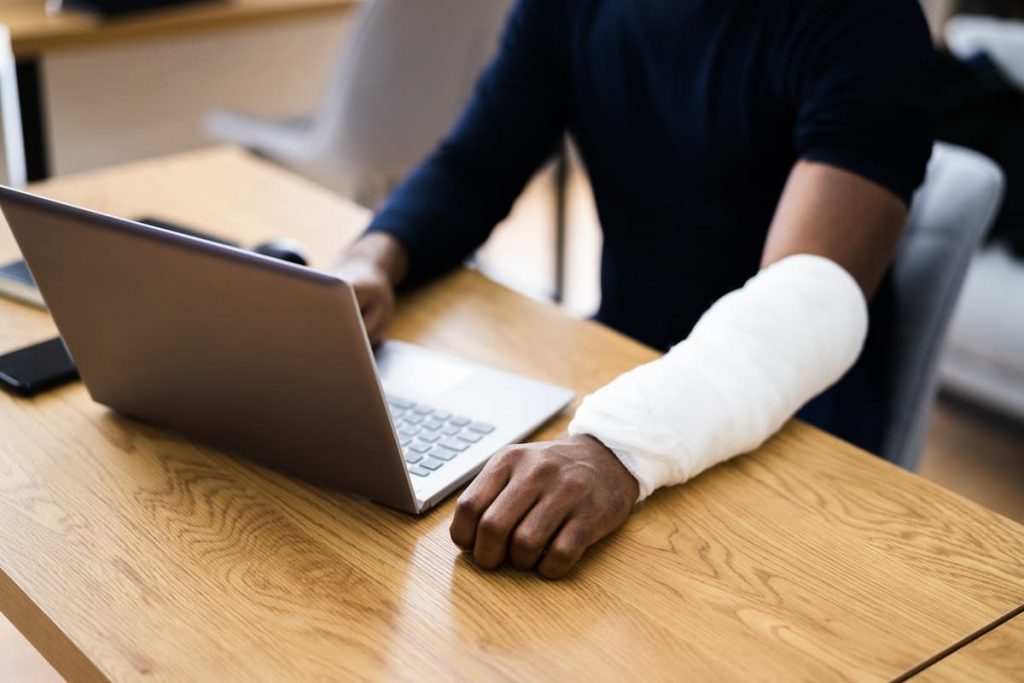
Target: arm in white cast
[[753, 359]]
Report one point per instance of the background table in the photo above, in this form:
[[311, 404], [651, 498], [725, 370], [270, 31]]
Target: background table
[[34, 34], [128, 553]]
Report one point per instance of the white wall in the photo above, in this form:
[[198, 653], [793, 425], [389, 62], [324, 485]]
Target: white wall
[[115, 104]]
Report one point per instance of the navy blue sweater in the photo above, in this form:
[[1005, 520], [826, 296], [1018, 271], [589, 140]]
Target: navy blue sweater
[[689, 116]]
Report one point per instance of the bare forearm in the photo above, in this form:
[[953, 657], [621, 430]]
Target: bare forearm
[[845, 218]]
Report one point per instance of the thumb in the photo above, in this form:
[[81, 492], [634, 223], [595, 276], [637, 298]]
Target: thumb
[[375, 320]]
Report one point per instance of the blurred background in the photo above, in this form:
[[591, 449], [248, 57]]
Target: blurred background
[[351, 94]]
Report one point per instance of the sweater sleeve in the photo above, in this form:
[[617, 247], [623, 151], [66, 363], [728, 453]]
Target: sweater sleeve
[[868, 93], [450, 204]]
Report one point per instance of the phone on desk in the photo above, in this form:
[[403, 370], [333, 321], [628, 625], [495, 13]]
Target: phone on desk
[[36, 368]]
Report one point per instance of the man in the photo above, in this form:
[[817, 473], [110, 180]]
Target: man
[[721, 137]]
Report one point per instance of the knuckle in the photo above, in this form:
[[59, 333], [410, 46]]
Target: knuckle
[[544, 468], [574, 483], [549, 572], [521, 559], [491, 526], [505, 457], [561, 554], [467, 507], [578, 539], [557, 563], [527, 540], [485, 563], [490, 562], [460, 537]]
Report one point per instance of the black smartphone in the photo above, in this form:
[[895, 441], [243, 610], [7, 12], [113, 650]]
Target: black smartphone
[[174, 227], [36, 368]]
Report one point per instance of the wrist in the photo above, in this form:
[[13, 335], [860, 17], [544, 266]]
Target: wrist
[[378, 253], [629, 482]]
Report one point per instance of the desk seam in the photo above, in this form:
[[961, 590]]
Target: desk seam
[[958, 645]]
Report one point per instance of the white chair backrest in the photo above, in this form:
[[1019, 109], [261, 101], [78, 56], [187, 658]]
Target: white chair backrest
[[950, 214], [403, 79]]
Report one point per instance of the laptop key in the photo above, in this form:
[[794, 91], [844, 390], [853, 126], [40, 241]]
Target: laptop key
[[400, 403], [439, 435], [454, 444], [419, 471], [443, 453]]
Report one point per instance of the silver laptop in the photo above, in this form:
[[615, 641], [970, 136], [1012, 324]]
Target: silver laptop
[[264, 358]]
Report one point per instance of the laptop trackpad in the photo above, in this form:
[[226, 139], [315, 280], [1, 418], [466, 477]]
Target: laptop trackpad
[[410, 372]]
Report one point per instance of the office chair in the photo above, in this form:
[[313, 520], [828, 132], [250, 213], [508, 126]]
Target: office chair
[[1001, 39], [398, 87], [950, 214], [15, 173]]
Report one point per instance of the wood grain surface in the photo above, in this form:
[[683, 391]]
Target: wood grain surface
[[996, 657], [33, 32], [129, 554]]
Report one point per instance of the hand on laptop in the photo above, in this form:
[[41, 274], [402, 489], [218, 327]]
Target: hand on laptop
[[373, 265], [541, 505]]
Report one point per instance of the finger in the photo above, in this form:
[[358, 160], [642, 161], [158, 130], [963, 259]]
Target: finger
[[537, 530], [364, 296], [475, 500], [365, 301], [374, 320], [498, 521], [567, 548]]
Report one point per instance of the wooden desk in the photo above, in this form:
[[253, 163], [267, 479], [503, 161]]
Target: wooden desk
[[997, 656], [127, 553], [34, 34]]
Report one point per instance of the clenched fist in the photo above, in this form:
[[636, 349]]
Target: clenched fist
[[541, 505]]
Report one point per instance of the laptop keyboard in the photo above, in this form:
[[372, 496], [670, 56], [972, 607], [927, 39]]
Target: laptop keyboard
[[430, 437]]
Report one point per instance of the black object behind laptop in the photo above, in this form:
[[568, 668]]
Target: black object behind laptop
[[37, 368], [111, 8], [174, 227], [16, 281]]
